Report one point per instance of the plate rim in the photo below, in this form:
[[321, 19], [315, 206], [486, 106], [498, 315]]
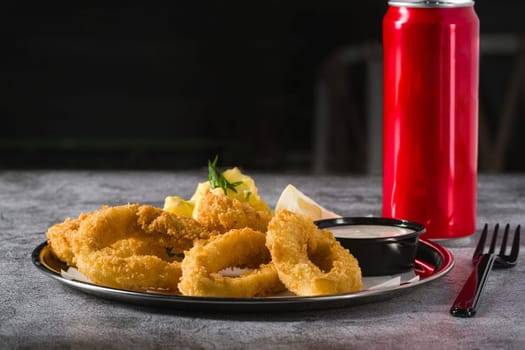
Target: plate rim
[[256, 304]]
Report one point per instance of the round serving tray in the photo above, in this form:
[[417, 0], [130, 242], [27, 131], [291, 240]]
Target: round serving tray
[[432, 262]]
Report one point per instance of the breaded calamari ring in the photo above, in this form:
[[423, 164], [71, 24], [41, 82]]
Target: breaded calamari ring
[[134, 247], [135, 272], [218, 212], [236, 248], [60, 237], [310, 261]]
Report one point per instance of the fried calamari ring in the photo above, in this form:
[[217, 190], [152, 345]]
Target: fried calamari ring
[[134, 247], [236, 248], [60, 237], [218, 212], [310, 261]]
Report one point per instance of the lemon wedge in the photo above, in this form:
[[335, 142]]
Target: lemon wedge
[[178, 205], [245, 191], [294, 200]]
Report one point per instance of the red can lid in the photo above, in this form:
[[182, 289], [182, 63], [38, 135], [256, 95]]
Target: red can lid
[[431, 3]]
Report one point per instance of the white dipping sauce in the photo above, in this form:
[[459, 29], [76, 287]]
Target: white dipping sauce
[[368, 231]]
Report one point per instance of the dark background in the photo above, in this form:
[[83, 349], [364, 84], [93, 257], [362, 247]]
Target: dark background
[[169, 86]]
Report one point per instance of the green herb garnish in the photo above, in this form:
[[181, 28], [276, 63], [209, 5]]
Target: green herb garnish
[[217, 180]]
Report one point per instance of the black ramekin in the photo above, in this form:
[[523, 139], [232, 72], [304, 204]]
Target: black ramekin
[[379, 256]]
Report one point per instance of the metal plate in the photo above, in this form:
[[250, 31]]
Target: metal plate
[[432, 262]]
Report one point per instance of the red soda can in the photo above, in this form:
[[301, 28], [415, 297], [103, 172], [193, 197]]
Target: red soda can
[[430, 115]]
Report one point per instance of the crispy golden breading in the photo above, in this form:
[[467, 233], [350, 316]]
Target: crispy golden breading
[[218, 212], [185, 247], [236, 248], [310, 261], [182, 230], [59, 237], [134, 247]]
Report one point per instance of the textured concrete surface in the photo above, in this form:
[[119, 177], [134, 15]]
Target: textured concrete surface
[[38, 312]]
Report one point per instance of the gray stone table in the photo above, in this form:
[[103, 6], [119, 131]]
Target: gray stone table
[[39, 312]]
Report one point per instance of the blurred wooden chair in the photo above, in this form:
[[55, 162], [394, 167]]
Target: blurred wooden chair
[[494, 143], [344, 133]]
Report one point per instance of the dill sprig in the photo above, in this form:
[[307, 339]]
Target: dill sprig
[[217, 180]]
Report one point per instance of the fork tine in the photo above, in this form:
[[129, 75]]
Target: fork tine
[[481, 243], [515, 244], [494, 238], [504, 241]]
